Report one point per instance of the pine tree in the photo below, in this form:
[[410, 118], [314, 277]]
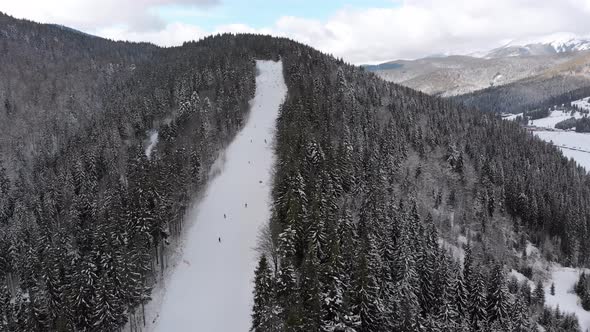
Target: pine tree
[[467, 267], [407, 285], [477, 302], [310, 293], [426, 267], [287, 294], [552, 288], [520, 316], [498, 296], [525, 292], [460, 296], [539, 294], [334, 284], [107, 310], [367, 303], [6, 315], [264, 312]]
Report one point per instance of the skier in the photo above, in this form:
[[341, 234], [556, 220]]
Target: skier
[[224, 216], [245, 204], [219, 239], [265, 141]]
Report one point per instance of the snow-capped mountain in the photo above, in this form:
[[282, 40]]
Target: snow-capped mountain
[[551, 44], [557, 54]]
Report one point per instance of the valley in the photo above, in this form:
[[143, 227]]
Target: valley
[[572, 144]]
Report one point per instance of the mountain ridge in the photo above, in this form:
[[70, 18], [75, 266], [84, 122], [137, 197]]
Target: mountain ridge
[[369, 175]]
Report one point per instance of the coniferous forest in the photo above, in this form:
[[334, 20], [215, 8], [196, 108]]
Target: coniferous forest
[[371, 179]]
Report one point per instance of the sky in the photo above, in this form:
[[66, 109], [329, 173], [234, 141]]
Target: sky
[[369, 31]]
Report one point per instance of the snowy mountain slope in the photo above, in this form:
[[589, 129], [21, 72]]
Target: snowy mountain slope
[[456, 75], [520, 59], [211, 287], [545, 45]]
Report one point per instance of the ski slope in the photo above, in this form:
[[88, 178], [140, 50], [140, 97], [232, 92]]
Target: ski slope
[[211, 287]]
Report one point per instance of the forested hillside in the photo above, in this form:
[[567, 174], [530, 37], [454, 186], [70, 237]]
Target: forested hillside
[[371, 177], [527, 95], [54, 83], [85, 215]]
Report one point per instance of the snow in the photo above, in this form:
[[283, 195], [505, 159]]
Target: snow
[[153, 140], [565, 278], [521, 277], [211, 287], [583, 103], [573, 145], [532, 251], [559, 41], [554, 118], [455, 251], [512, 117]]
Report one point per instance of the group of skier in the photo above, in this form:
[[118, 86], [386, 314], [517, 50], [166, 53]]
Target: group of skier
[[245, 204]]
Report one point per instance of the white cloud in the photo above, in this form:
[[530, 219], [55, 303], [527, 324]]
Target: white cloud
[[417, 28], [407, 29], [172, 34], [93, 15]]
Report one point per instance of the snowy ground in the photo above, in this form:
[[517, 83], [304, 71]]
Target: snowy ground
[[153, 140], [554, 118], [573, 145], [512, 117], [210, 288], [565, 278], [456, 251], [583, 103]]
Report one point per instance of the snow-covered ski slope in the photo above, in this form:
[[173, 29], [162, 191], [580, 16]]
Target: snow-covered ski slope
[[211, 288]]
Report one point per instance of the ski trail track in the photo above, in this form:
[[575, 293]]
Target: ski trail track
[[210, 289]]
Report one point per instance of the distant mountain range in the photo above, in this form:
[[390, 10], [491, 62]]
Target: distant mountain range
[[553, 44], [561, 54]]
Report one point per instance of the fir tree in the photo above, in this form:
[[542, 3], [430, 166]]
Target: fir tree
[[264, 312], [477, 302], [498, 296], [539, 294]]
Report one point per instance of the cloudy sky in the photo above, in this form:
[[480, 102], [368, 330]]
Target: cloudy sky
[[360, 31]]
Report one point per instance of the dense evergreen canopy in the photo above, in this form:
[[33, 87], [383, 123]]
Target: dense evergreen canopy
[[370, 176]]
